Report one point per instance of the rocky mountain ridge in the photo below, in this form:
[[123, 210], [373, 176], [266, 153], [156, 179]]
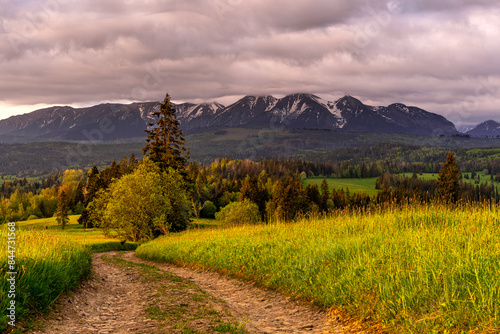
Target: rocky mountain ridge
[[296, 111]]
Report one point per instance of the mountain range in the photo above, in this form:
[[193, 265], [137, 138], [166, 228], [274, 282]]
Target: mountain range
[[297, 111]]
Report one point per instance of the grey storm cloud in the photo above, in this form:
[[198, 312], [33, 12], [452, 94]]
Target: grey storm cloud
[[439, 55]]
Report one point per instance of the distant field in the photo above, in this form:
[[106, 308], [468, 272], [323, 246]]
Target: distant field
[[422, 269], [355, 185], [368, 185], [424, 176], [433, 176], [204, 223]]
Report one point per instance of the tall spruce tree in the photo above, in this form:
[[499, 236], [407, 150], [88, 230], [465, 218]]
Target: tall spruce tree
[[325, 195], [253, 190], [448, 180], [63, 202], [165, 141], [93, 185]]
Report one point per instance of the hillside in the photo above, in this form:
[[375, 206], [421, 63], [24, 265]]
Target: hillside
[[211, 143]]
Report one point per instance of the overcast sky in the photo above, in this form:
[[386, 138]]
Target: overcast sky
[[443, 56]]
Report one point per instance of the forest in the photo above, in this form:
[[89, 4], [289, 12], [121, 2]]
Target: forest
[[265, 183]]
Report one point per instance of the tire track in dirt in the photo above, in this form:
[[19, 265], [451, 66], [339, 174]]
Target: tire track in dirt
[[263, 310], [112, 301]]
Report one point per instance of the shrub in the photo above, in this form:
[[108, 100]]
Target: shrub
[[208, 210], [238, 213]]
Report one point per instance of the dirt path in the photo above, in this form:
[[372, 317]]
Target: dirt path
[[128, 295]]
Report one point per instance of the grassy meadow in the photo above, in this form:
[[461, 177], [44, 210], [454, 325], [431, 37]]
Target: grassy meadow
[[93, 237], [49, 262], [366, 185], [418, 269]]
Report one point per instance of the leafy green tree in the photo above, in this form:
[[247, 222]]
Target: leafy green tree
[[208, 210], [165, 141], [238, 213], [142, 205], [63, 202], [449, 180]]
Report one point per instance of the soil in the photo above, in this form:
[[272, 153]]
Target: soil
[[128, 295]]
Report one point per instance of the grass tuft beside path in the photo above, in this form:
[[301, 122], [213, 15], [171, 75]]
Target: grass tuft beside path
[[47, 265], [48, 261]]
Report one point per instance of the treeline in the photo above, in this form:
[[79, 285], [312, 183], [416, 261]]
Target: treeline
[[403, 189], [275, 187], [22, 186], [32, 200], [23, 199], [354, 160]]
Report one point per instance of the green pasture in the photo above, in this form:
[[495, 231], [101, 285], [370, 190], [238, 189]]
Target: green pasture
[[355, 185], [92, 237], [433, 176]]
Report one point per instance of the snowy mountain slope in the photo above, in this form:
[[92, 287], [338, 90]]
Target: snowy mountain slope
[[299, 111], [486, 129]]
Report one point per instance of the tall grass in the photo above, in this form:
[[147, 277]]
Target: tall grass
[[48, 264], [414, 269]]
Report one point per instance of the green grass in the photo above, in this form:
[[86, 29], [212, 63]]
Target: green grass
[[200, 223], [93, 237], [423, 176], [50, 261], [414, 269], [355, 185], [47, 264]]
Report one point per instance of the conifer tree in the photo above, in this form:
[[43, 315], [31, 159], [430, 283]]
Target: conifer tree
[[63, 202], [251, 189], [93, 185], [325, 195], [165, 141], [79, 196], [448, 180]]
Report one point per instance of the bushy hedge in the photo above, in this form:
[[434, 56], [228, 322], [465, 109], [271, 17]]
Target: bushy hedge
[[238, 213]]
